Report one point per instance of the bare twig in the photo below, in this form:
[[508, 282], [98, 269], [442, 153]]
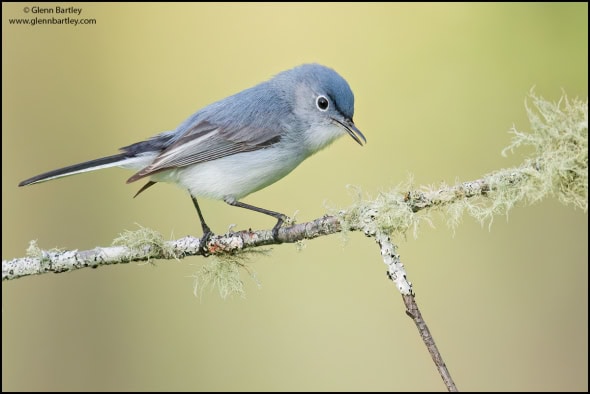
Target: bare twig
[[413, 311]]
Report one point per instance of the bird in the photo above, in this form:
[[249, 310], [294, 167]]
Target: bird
[[242, 143]]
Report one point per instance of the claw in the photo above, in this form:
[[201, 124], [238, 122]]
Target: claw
[[203, 248], [275, 229]]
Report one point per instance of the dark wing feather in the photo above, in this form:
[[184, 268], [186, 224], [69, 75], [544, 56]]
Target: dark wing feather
[[205, 142]]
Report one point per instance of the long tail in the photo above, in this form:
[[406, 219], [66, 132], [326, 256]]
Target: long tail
[[92, 165]]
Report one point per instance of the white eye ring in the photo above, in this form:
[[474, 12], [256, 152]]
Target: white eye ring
[[322, 103]]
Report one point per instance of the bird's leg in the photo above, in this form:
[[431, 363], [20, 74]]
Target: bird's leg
[[207, 233], [279, 216]]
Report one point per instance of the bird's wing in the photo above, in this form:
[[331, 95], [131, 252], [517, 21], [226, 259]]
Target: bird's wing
[[205, 142]]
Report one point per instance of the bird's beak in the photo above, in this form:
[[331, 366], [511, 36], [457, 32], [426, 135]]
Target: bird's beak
[[351, 130]]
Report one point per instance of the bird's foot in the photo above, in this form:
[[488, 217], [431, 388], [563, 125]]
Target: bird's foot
[[203, 248], [275, 230]]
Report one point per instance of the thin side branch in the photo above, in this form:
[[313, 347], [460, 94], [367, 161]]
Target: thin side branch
[[413, 311], [397, 274]]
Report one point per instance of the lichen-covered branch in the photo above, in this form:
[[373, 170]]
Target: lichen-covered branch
[[146, 244]]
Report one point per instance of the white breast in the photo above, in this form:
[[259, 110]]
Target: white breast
[[234, 176]]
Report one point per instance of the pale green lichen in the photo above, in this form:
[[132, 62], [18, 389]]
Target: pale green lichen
[[559, 138], [300, 245], [34, 251], [222, 272], [559, 166], [388, 213], [145, 243]]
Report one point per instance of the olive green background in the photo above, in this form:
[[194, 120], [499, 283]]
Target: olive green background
[[437, 88]]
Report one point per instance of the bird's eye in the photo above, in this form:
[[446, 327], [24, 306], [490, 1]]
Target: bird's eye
[[322, 103]]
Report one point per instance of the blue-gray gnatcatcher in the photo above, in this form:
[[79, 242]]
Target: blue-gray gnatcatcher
[[242, 143]]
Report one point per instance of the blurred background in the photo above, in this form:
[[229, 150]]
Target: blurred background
[[437, 88]]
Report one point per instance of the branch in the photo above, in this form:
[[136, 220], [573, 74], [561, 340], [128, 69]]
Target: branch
[[414, 313], [560, 168], [146, 244]]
